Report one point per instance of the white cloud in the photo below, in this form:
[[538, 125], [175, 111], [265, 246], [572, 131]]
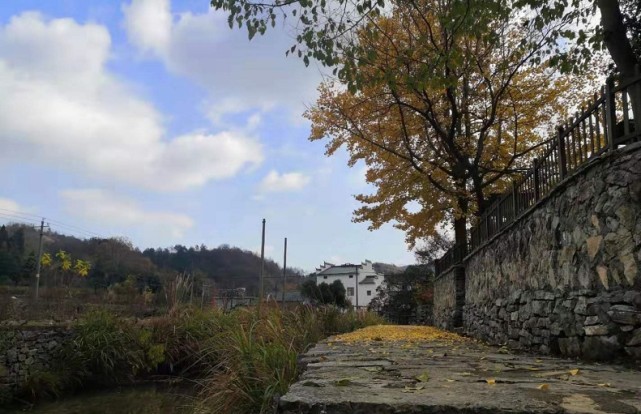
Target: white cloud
[[239, 74], [122, 213], [61, 105], [275, 182], [10, 205]]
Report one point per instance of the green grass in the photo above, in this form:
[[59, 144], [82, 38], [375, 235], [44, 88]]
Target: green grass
[[241, 360], [259, 353]]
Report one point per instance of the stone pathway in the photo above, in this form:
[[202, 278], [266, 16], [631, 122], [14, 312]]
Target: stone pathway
[[384, 374]]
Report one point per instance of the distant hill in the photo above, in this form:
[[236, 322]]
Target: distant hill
[[113, 260], [387, 268]]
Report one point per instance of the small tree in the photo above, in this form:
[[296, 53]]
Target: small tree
[[64, 268], [402, 293], [324, 294]]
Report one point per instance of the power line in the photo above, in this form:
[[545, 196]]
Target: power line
[[32, 218], [20, 213], [14, 217], [75, 228]]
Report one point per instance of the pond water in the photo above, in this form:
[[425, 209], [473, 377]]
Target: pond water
[[130, 400]]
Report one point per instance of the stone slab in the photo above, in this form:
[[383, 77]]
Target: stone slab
[[380, 377]]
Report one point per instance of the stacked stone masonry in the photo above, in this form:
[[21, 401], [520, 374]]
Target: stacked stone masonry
[[24, 351], [445, 300], [566, 277]]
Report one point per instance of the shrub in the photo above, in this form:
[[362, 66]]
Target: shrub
[[108, 350], [258, 354]]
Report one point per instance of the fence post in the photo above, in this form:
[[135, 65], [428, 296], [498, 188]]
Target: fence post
[[610, 114], [515, 206], [537, 181], [563, 165]]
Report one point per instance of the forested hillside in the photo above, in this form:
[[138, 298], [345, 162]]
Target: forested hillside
[[115, 260]]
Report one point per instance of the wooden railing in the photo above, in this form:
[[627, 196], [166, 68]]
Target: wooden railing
[[605, 124]]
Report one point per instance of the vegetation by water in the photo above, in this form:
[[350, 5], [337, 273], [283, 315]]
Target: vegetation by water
[[124, 400], [239, 360]]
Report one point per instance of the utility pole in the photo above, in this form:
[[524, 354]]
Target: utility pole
[[262, 266], [284, 270], [42, 227]]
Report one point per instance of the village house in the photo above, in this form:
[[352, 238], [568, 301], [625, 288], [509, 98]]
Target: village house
[[360, 281]]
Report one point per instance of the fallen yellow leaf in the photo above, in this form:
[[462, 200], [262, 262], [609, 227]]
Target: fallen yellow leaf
[[491, 381], [424, 377], [544, 387], [391, 333], [574, 371]]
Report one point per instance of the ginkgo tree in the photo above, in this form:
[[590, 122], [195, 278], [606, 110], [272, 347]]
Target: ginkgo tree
[[444, 110], [580, 29], [64, 268]]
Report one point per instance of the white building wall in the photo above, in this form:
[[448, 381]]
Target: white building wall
[[364, 270]]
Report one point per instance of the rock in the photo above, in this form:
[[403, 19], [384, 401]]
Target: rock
[[633, 297], [543, 295], [602, 271], [569, 346], [630, 269], [600, 348], [634, 352], [591, 320], [596, 330], [593, 245], [625, 315], [581, 306], [515, 296], [543, 323], [636, 338], [626, 216], [513, 333], [612, 223], [541, 308]]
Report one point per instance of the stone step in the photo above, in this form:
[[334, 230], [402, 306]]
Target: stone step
[[460, 376]]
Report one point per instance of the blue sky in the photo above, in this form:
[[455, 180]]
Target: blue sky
[[152, 120]]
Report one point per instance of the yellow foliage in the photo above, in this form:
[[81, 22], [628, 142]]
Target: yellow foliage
[[397, 333], [46, 260], [65, 260], [81, 268], [437, 119]]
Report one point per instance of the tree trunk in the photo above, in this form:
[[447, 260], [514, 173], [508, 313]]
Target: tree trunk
[[460, 250], [620, 48]]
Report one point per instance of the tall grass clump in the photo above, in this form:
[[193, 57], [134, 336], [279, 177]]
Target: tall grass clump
[[187, 333], [108, 350], [258, 353]]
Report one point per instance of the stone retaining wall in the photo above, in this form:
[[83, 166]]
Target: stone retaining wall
[[444, 311], [26, 350], [566, 278]]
